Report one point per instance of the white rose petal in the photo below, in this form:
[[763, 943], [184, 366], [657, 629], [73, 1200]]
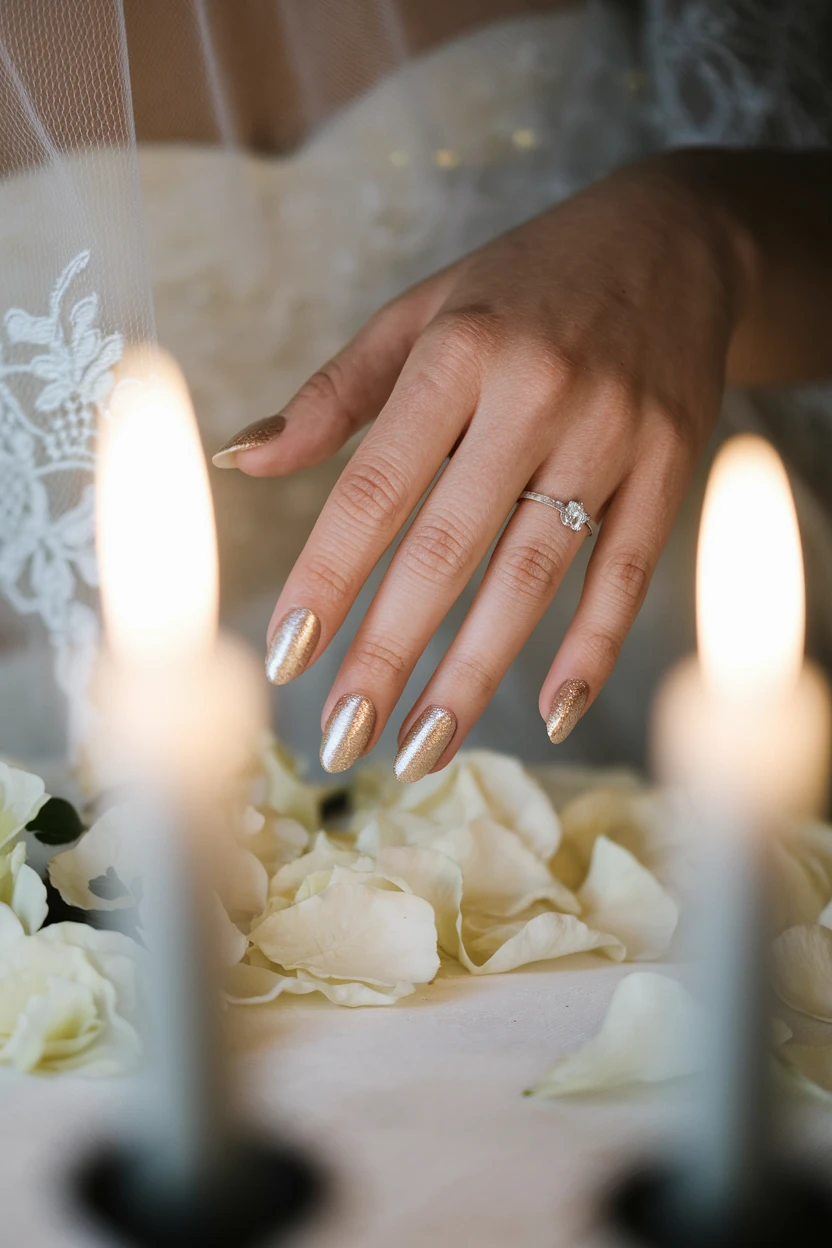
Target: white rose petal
[[800, 896], [354, 932], [539, 939], [285, 792], [437, 879], [325, 853], [810, 845], [252, 821], [278, 841], [486, 945], [647, 823], [395, 827], [245, 881], [256, 985], [23, 906], [230, 942], [109, 846], [803, 970], [21, 797], [500, 875], [477, 784], [621, 896], [648, 1035], [810, 1066]]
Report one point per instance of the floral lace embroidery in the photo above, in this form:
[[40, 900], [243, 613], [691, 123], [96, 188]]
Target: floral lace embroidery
[[54, 370]]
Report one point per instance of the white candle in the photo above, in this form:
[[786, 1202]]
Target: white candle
[[746, 729], [749, 721], [180, 713]]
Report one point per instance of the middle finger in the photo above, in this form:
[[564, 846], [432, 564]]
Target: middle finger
[[437, 557]]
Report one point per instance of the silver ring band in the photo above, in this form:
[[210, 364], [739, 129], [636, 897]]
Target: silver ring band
[[572, 514]]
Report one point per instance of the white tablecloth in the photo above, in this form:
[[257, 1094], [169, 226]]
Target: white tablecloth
[[416, 1109]]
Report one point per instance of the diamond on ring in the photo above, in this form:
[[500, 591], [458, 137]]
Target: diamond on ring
[[573, 515]]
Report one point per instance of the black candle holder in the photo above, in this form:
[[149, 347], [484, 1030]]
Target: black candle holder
[[263, 1191], [796, 1209]]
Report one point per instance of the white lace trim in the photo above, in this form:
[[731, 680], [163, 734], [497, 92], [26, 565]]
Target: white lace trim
[[54, 371]]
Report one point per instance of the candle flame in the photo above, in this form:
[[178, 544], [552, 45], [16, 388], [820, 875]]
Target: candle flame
[[750, 602], [156, 538]]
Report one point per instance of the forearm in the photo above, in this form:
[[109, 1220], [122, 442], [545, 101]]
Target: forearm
[[772, 211]]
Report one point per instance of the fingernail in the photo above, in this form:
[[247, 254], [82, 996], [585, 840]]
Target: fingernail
[[348, 731], [292, 645], [424, 744], [566, 709], [257, 434]]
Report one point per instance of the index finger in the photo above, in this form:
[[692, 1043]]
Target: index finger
[[431, 403]]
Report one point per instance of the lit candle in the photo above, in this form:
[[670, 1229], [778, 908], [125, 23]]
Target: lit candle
[[180, 713], [746, 729], [750, 720]]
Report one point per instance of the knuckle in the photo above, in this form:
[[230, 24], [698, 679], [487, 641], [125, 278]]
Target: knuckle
[[476, 676], [379, 658], [438, 550], [371, 492], [459, 344], [324, 580], [469, 329], [627, 575], [325, 386], [555, 365], [603, 648], [675, 425], [529, 572]]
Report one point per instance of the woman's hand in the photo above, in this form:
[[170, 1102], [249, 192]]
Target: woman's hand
[[582, 356]]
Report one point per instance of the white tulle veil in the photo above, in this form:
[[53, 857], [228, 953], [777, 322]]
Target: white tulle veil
[[253, 227]]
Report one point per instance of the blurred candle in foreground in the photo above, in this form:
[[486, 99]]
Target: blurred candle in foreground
[[157, 546], [750, 720], [746, 731], [181, 711]]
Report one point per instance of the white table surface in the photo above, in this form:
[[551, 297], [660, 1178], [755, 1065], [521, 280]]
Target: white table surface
[[416, 1109]]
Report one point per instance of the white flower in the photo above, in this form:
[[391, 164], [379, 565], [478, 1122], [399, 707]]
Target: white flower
[[101, 872], [282, 791], [23, 905], [474, 847], [337, 925], [477, 784], [68, 1001], [21, 797]]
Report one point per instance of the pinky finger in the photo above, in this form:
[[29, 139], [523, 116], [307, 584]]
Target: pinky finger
[[635, 529]]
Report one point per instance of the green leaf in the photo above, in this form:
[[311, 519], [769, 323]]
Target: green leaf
[[56, 823]]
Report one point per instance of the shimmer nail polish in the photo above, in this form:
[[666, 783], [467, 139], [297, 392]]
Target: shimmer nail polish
[[348, 731], [566, 709], [257, 434], [424, 744], [292, 645]]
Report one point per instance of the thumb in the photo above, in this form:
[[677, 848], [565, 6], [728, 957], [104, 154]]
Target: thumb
[[341, 397]]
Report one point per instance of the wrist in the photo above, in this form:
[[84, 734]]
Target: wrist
[[696, 185]]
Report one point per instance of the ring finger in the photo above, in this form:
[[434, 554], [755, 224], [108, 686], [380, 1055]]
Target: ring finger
[[522, 578]]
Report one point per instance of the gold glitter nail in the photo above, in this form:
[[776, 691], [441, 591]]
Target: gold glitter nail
[[566, 709], [257, 434], [292, 645], [424, 744], [348, 731]]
